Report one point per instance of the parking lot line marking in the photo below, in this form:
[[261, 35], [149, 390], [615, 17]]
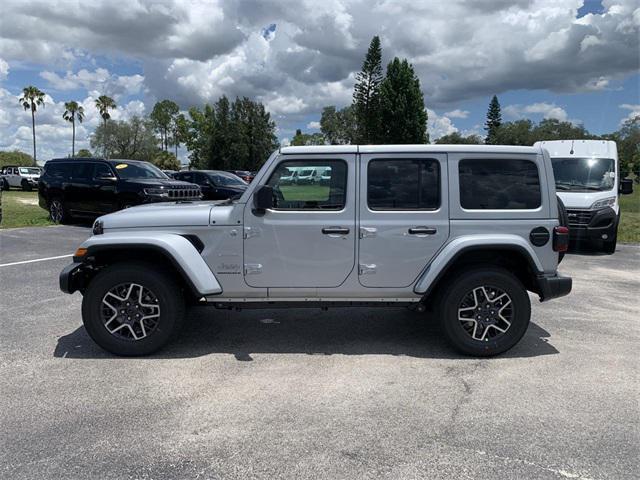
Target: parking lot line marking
[[35, 260]]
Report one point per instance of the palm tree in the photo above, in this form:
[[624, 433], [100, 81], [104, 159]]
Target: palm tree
[[104, 104], [73, 111], [32, 98]]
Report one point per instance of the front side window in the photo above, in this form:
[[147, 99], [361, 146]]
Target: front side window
[[309, 192], [499, 184], [584, 174], [29, 171], [82, 171], [403, 184], [102, 171]]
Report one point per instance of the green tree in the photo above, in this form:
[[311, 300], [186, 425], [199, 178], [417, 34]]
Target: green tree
[[133, 139], [494, 120], [180, 131], [165, 161], [32, 98], [17, 158], [628, 142], [553, 129], [366, 95], [104, 104], [73, 112], [84, 153], [456, 138], [302, 139], [338, 126], [402, 112], [519, 132], [163, 117]]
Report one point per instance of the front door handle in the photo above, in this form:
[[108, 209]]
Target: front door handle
[[335, 230], [422, 231]]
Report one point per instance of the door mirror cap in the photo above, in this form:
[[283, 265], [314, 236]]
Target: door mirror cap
[[626, 186], [263, 199]]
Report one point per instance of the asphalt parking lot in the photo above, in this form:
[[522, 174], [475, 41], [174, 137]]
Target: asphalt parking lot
[[348, 393]]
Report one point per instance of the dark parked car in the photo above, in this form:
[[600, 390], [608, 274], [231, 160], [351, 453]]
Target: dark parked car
[[215, 184], [245, 175], [94, 186]]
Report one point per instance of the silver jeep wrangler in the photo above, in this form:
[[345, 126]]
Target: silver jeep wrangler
[[464, 230]]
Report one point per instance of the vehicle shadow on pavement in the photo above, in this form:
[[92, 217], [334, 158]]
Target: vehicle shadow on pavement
[[345, 331]]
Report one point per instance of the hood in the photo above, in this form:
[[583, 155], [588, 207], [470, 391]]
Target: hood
[[163, 214], [586, 199], [156, 182]]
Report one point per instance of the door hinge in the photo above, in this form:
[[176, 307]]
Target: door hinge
[[249, 232], [252, 268], [367, 268], [367, 232]]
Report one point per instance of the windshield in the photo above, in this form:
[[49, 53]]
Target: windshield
[[128, 170], [584, 174], [229, 180], [30, 171]]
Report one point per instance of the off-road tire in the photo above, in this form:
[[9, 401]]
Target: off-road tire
[[459, 286], [170, 300]]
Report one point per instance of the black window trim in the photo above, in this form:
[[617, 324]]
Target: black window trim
[[505, 158], [434, 209], [325, 210]]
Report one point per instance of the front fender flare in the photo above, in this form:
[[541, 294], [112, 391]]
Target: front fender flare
[[180, 251], [458, 245]]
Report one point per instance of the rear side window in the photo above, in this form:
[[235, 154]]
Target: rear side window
[[58, 170], [499, 184], [403, 184]]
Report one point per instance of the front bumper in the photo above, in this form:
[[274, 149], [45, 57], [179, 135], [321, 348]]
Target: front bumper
[[72, 277], [553, 286], [592, 224]]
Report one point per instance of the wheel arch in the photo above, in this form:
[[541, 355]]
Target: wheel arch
[[510, 255]]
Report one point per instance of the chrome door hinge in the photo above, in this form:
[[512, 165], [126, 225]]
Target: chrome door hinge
[[367, 232], [249, 232], [367, 268], [252, 268]]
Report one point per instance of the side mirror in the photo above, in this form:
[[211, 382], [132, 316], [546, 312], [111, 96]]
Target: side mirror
[[626, 186], [263, 199], [106, 178]]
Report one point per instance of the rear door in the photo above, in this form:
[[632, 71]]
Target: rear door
[[404, 216], [308, 238]]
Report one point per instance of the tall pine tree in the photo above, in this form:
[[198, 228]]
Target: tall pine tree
[[494, 120], [402, 111], [366, 95]]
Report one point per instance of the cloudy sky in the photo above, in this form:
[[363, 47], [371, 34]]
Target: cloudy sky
[[573, 60]]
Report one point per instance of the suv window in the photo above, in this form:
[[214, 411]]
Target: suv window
[[310, 193], [184, 176], [59, 170], [403, 184], [499, 184], [102, 170], [82, 171]]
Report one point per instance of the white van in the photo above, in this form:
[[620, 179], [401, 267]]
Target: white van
[[587, 177]]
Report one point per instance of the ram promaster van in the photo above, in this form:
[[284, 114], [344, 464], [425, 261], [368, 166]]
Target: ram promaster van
[[587, 176]]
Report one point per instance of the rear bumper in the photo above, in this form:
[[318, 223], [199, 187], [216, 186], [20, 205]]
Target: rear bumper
[[553, 286]]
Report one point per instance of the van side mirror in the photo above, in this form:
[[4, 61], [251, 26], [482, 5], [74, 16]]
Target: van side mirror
[[626, 186], [263, 199]]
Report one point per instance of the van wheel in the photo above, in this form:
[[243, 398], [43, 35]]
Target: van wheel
[[58, 211], [132, 309], [484, 312]]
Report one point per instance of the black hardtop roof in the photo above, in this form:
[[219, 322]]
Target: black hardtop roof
[[85, 159]]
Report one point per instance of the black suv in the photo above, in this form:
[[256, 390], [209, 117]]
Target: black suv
[[215, 184], [94, 186]]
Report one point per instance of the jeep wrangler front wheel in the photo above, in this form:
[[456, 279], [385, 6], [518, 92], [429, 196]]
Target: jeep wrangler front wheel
[[484, 312], [132, 309]]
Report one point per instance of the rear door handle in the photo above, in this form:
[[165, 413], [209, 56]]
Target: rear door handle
[[422, 231], [335, 230]]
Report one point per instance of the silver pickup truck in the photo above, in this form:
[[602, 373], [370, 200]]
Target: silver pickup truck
[[466, 231]]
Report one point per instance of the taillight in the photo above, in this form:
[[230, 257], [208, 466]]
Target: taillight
[[560, 239]]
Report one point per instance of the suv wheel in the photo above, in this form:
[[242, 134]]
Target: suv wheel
[[484, 312], [58, 211], [5, 185], [132, 309]]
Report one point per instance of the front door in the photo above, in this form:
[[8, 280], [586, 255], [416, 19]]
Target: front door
[[404, 216], [308, 238]]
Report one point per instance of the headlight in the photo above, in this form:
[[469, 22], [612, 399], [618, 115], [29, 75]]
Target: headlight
[[98, 227], [605, 202], [156, 192]]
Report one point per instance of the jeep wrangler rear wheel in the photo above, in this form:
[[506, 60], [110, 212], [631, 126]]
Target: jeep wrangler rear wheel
[[484, 312], [132, 309]]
